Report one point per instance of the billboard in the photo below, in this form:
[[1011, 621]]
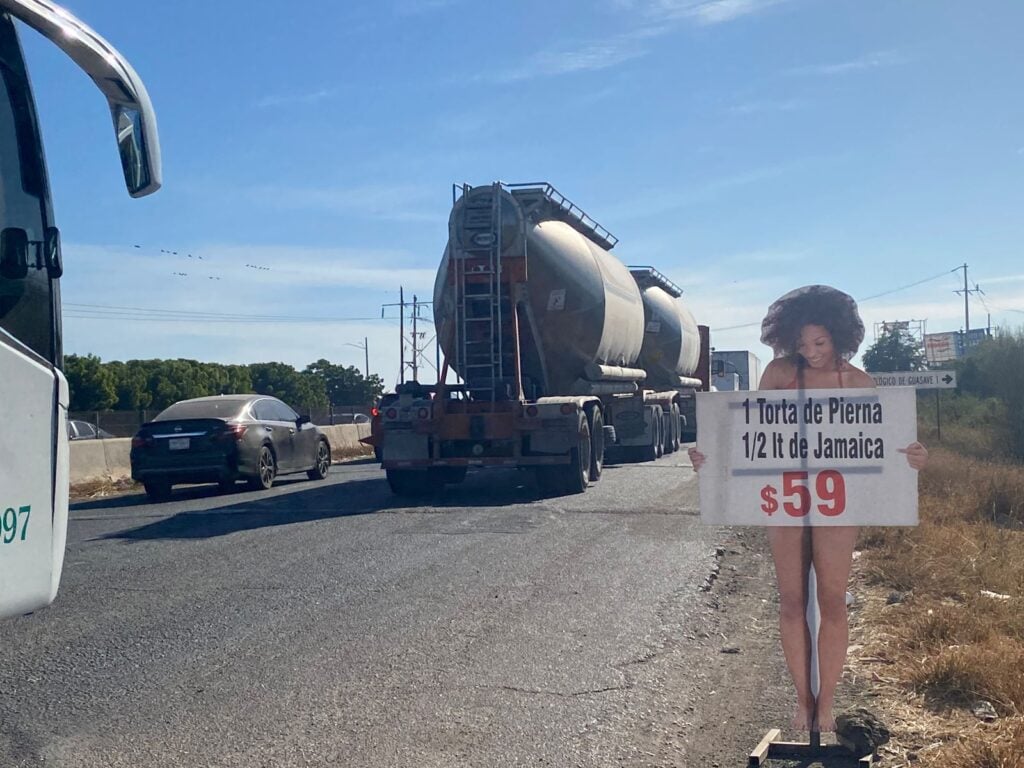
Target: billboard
[[940, 347], [952, 345]]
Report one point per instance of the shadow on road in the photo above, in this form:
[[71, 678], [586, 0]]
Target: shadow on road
[[302, 506], [492, 488]]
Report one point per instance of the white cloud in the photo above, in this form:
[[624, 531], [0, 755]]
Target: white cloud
[[319, 299], [295, 99], [705, 12], [384, 202], [758, 107], [586, 57], [872, 60], [420, 7], [715, 11], [649, 19], [655, 202]]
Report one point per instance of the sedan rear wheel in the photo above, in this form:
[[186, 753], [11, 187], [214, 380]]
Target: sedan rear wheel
[[323, 461], [157, 490], [266, 469]]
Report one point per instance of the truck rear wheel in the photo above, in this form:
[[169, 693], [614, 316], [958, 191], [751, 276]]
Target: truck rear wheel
[[667, 433], [573, 477], [595, 421], [659, 433], [578, 477], [414, 482], [652, 450], [677, 427]]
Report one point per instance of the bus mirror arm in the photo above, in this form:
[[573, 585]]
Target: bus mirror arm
[[51, 250], [13, 253]]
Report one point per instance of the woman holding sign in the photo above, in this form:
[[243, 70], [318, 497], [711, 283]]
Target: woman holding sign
[[814, 331]]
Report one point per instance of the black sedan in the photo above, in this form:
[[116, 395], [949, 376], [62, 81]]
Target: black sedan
[[227, 438]]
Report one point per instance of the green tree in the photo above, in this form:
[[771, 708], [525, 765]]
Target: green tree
[[285, 383], [91, 384], [131, 385], [895, 350], [344, 384], [995, 369]]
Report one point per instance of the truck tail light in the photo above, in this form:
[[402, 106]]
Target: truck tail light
[[532, 411], [391, 413], [568, 408], [423, 413]]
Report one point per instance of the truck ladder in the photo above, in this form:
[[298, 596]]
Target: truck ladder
[[484, 336]]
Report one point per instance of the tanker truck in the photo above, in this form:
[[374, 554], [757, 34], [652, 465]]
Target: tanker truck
[[560, 352]]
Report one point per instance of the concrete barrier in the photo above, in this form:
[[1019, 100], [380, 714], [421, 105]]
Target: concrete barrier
[[344, 439], [89, 460], [110, 459]]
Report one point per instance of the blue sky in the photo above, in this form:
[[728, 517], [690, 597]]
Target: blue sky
[[742, 147]]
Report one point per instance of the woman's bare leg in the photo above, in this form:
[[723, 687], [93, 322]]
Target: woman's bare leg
[[791, 551], [832, 551]]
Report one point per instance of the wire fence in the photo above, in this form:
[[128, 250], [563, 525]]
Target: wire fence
[[127, 423]]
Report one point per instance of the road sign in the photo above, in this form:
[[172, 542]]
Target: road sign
[[917, 379]]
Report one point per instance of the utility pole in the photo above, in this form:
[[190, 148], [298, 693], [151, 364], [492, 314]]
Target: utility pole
[[365, 346], [413, 363], [415, 339], [967, 291], [401, 331]]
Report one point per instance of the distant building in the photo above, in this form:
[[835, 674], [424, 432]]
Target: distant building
[[734, 369]]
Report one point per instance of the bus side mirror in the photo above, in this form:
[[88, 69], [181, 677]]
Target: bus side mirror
[[138, 174], [51, 250], [13, 253]]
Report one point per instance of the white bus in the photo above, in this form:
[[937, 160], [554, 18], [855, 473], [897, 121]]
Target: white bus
[[33, 391]]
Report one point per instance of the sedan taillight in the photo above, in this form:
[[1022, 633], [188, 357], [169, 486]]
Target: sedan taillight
[[140, 441], [232, 432]]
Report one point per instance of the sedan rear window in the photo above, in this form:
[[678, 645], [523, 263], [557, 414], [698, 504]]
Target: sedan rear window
[[228, 408]]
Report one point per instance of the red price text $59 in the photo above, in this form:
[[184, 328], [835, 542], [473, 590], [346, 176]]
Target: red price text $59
[[801, 493]]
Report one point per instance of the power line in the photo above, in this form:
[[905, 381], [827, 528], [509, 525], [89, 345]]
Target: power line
[[909, 285], [110, 312], [866, 298]]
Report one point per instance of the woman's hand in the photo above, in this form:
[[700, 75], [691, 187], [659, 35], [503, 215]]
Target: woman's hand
[[917, 455], [696, 458]]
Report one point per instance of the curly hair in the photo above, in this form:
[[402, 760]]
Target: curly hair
[[813, 305]]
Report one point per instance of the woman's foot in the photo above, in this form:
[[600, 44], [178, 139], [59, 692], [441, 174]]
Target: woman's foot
[[826, 722], [802, 716]]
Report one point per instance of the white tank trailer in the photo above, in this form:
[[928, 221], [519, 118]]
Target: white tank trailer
[[561, 352]]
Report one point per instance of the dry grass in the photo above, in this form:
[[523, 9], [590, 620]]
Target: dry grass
[[347, 454], [956, 636], [1003, 748], [101, 487]]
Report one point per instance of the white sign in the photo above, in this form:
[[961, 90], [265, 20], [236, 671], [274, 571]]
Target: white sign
[[807, 457], [917, 379]]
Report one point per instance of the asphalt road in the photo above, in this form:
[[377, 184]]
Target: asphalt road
[[332, 624]]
